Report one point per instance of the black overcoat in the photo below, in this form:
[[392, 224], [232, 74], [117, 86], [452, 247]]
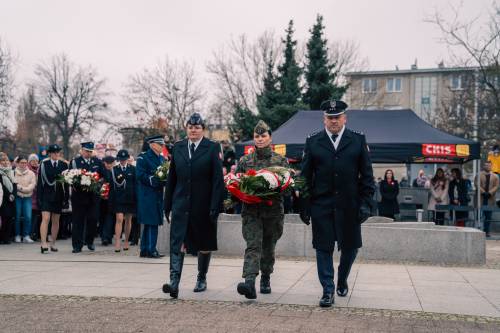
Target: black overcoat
[[194, 188], [122, 187], [51, 195], [389, 205], [338, 181]]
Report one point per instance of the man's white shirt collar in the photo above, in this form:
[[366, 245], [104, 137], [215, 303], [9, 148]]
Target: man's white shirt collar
[[339, 137]]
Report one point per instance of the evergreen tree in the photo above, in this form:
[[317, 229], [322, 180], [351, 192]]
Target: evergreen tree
[[242, 124], [281, 96], [320, 74], [269, 98], [289, 72]]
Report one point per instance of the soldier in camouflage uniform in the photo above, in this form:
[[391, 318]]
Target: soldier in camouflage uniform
[[262, 224]]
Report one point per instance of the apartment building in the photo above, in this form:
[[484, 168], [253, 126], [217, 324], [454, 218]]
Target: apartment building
[[425, 91]]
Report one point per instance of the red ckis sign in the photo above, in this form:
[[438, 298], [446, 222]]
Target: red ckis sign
[[430, 149]]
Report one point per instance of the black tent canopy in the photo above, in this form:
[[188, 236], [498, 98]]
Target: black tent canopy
[[393, 136]]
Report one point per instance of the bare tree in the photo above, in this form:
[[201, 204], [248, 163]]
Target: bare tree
[[70, 97], [238, 69], [164, 96], [475, 44], [347, 58], [7, 61]]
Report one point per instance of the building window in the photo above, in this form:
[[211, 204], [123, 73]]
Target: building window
[[393, 85], [369, 86], [456, 82], [457, 111]]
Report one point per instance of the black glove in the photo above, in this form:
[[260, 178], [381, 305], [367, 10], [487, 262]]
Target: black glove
[[167, 216], [214, 215], [365, 211], [305, 217]]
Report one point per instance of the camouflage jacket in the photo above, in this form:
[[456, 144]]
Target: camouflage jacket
[[259, 159]]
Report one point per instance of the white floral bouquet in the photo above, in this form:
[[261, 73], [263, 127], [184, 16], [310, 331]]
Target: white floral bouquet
[[81, 179], [162, 171]]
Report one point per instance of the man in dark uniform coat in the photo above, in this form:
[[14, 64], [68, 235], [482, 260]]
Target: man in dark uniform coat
[[194, 196], [339, 176], [150, 195], [51, 195], [85, 204]]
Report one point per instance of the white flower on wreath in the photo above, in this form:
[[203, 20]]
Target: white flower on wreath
[[270, 177]]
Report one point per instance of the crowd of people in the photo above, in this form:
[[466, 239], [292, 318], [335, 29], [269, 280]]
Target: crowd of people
[[445, 188]]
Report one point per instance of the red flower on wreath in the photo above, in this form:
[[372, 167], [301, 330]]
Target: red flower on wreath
[[251, 172]]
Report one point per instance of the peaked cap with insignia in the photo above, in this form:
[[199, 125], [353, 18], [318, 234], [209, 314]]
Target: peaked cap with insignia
[[262, 128], [333, 107]]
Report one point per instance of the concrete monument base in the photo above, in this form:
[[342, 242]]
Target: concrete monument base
[[382, 240]]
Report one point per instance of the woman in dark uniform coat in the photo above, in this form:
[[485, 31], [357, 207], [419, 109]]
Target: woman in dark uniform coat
[[458, 194], [389, 190], [122, 197], [51, 195], [194, 195]]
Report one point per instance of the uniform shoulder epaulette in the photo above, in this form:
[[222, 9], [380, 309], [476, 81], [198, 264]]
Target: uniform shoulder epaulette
[[357, 132], [45, 159], [314, 133]]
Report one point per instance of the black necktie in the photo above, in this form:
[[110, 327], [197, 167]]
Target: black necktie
[[191, 148], [54, 164], [334, 137]]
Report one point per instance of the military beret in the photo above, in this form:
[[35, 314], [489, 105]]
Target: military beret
[[196, 119], [262, 128], [158, 138], [122, 155], [54, 148], [89, 145], [333, 107]]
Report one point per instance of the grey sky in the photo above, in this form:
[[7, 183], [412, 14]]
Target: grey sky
[[120, 37]]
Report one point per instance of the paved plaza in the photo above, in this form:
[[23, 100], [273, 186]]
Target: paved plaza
[[467, 294]]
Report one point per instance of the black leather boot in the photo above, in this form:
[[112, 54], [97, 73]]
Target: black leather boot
[[176, 264], [247, 288], [203, 263], [265, 284]]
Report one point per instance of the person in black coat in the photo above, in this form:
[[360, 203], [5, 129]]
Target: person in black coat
[[339, 176], [122, 197], [458, 193], [85, 204], [389, 190], [193, 196], [52, 195], [8, 201]]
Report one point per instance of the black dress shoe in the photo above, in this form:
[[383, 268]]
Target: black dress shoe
[[156, 255], [76, 250], [265, 284], [327, 300], [144, 254], [91, 247], [247, 289], [105, 243], [342, 289]]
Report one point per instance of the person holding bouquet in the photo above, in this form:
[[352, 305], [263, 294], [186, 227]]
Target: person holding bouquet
[[85, 203], [262, 222], [51, 195], [194, 195], [150, 186], [122, 197]]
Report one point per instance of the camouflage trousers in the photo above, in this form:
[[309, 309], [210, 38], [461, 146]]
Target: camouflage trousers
[[261, 234]]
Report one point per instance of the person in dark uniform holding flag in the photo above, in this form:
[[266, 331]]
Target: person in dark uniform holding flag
[[150, 195], [51, 195], [122, 197], [194, 195], [85, 204], [339, 176]]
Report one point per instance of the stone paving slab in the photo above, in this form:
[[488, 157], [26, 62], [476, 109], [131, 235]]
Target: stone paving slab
[[456, 290], [29, 313]]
